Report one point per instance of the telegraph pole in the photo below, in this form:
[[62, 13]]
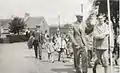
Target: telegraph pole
[[58, 30], [81, 8], [59, 21], [109, 19]]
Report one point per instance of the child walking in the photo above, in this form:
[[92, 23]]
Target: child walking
[[50, 50]]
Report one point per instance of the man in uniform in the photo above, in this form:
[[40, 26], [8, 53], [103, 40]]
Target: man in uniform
[[79, 49], [38, 40]]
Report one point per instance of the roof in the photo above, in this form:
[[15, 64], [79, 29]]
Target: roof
[[62, 29], [33, 21]]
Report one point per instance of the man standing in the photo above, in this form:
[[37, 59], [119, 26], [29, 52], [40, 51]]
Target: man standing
[[28, 32], [101, 43], [77, 36], [38, 40]]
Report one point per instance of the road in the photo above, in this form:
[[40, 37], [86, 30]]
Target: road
[[17, 58]]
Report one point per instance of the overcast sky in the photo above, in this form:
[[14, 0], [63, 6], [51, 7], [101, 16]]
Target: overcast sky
[[47, 8]]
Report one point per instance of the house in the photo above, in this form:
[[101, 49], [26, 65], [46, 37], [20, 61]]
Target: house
[[30, 21], [54, 29], [4, 24], [33, 21], [65, 28]]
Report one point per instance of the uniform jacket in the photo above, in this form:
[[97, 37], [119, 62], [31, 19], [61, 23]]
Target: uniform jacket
[[39, 37], [78, 36]]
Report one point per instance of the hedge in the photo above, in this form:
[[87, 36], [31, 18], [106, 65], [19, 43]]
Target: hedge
[[16, 38], [1, 40]]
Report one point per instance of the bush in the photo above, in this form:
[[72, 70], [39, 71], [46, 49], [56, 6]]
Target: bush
[[1, 40], [16, 38]]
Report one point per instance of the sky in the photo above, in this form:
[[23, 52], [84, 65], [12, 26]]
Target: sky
[[50, 9]]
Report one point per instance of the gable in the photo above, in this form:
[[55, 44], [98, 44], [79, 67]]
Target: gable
[[33, 21], [39, 21]]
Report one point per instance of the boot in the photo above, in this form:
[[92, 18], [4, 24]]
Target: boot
[[94, 70], [40, 58], [106, 69], [78, 71], [84, 72]]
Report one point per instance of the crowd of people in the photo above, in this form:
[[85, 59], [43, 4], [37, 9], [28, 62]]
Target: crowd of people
[[86, 49], [52, 44]]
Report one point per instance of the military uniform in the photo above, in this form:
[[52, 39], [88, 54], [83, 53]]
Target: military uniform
[[79, 49], [38, 45]]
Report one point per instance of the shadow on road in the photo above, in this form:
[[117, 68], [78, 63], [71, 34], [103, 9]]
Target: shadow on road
[[61, 70], [69, 65], [44, 60], [29, 57]]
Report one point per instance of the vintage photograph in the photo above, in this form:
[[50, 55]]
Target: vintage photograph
[[59, 36]]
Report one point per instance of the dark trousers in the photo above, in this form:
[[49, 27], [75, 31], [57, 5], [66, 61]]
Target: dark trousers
[[80, 55], [59, 53], [38, 51], [35, 50], [89, 57]]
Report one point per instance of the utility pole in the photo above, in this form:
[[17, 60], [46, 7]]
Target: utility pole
[[109, 19], [81, 8], [58, 23]]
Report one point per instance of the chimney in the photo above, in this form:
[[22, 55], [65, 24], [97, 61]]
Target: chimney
[[81, 8]]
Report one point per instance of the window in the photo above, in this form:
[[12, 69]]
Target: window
[[43, 21]]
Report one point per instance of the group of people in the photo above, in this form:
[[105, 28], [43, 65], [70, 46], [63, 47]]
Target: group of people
[[88, 47], [57, 43]]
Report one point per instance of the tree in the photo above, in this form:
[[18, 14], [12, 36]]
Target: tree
[[17, 25]]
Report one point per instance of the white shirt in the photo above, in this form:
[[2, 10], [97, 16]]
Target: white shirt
[[63, 44]]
